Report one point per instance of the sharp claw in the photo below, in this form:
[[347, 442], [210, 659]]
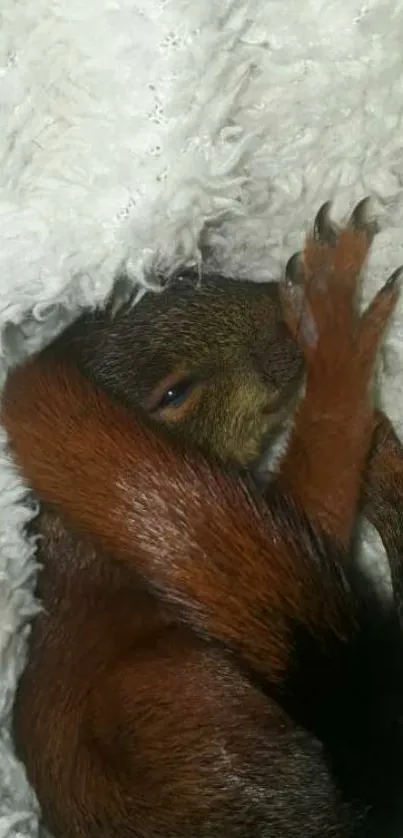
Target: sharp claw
[[296, 300], [360, 215], [361, 219], [393, 279], [294, 271], [323, 229]]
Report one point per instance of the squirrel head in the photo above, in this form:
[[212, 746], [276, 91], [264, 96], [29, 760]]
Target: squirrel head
[[213, 360]]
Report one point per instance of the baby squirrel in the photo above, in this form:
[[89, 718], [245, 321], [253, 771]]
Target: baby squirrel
[[209, 661]]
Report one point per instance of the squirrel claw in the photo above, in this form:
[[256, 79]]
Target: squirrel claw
[[324, 230], [393, 280], [294, 272], [361, 219]]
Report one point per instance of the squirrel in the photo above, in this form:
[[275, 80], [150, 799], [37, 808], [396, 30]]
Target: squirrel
[[263, 695]]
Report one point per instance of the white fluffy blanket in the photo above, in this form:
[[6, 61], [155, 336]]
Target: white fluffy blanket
[[128, 126]]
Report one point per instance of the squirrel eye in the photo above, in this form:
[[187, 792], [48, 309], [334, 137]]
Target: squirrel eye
[[175, 394]]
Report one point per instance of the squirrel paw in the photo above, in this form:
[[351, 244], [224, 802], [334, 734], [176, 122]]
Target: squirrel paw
[[320, 290]]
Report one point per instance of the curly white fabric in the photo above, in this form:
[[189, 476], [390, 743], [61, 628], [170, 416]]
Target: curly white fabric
[[131, 127]]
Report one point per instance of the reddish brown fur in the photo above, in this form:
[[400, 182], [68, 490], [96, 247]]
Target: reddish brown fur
[[336, 398], [149, 729], [200, 536]]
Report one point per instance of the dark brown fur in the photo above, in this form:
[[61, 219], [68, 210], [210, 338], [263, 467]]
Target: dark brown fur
[[235, 706], [227, 338]]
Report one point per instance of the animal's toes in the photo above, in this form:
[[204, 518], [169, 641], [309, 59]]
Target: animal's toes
[[324, 230], [362, 220], [375, 318], [387, 295], [392, 284]]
